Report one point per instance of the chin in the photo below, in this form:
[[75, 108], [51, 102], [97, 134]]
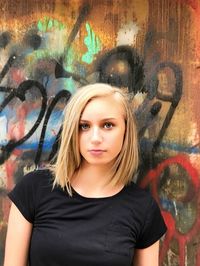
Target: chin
[[99, 162]]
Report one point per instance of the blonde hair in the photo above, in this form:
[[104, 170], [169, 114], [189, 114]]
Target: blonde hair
[[69, 159]]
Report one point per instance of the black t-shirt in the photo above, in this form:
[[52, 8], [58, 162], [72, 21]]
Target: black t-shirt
[[80, 231]]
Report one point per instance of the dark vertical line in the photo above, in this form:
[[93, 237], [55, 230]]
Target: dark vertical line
[[83, 14], [7, 66]]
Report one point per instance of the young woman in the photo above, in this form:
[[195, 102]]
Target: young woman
[[85, 210]]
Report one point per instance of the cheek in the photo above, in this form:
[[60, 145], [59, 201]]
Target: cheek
[[81, 142], [118, 138]]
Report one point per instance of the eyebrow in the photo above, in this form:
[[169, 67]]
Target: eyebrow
[[104, 119]]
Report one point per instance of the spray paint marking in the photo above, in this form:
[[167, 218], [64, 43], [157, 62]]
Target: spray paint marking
[[152, 178], [93, 44], [48, 24]]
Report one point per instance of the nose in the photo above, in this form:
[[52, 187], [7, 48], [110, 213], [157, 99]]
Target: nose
[[96, 136]]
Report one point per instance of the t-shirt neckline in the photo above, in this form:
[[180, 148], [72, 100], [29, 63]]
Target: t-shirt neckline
[[78, 195]]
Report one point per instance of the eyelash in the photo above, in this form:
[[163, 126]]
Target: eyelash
[[85, 126], [81, 126], [110, 125]]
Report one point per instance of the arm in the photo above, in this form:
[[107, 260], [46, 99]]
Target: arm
[[147, 256], [17, 239]]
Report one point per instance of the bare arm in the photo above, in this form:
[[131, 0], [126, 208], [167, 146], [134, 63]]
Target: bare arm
[[147, 256], [17, 239]]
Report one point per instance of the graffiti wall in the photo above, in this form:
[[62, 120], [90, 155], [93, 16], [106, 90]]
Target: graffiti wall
[[50, 48]]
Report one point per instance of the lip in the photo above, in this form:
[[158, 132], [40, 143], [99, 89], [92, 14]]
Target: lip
[[96, 152]]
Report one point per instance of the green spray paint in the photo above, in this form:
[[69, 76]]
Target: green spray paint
[[44, 54], [45, 25], [70, 85], [93, 44], [68, 65], [69, 59], [48, 23]]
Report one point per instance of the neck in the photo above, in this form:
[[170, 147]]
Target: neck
[[94, 174], [93, 180]]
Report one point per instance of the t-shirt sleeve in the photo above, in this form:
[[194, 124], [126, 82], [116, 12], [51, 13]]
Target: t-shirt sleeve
[[154, 226], [24, 196]]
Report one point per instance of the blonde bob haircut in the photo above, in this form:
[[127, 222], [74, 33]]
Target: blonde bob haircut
[[69, 158]]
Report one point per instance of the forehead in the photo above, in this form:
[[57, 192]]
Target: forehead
[[109, 106]]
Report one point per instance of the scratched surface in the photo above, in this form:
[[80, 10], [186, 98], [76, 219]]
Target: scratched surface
[[48, 49]]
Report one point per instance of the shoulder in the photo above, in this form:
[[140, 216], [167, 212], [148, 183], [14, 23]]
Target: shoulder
[[27, 192], [36, 178], [139, 199], [146, 210], [133, 191]]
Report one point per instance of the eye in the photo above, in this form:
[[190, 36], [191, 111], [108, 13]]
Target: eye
[[108, 125], [84, 126]]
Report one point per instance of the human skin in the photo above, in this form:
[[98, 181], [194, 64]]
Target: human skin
[[101, 131]]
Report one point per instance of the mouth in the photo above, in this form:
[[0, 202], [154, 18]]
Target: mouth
[[96, 151]]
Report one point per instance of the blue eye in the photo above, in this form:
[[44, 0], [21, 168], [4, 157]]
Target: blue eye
[[84, 126], [108, 125]]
